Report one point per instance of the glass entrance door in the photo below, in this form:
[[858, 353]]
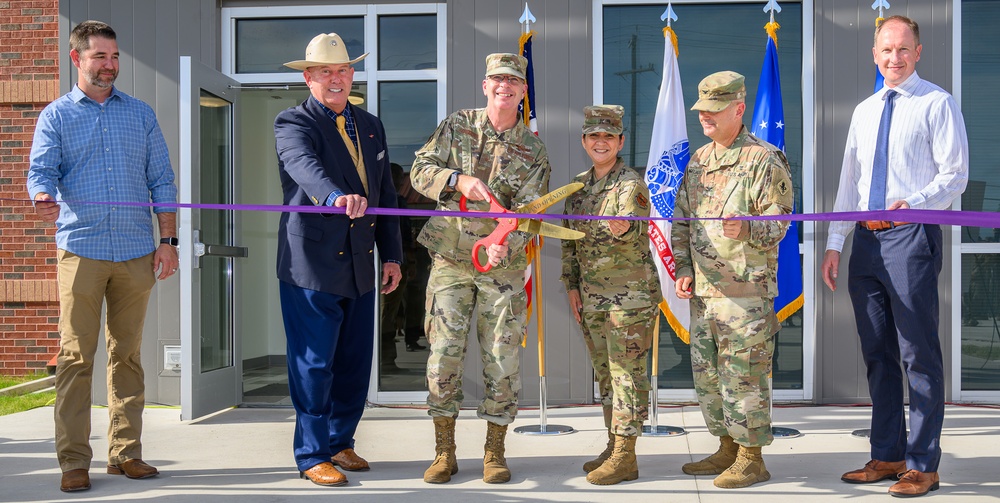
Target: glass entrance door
[[210, 349]]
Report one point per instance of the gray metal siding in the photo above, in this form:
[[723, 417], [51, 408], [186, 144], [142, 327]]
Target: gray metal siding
[[845, 74]]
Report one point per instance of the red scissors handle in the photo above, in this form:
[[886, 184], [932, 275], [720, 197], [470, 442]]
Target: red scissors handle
[[505, 225]]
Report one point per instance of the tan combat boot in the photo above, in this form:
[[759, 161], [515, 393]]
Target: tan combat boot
[[717, 462], [495, 469], [622, 465], [445, 465], [746, 471], [592, 465]]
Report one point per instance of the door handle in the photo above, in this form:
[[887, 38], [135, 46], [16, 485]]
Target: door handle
[[203, 249], [225, 251]]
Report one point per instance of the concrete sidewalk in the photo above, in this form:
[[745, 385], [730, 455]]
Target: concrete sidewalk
[[245, 455]]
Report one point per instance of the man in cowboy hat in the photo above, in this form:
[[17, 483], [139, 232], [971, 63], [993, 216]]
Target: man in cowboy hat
[[331, 153]]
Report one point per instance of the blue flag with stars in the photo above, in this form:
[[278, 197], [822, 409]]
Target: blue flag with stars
[[769, 125]]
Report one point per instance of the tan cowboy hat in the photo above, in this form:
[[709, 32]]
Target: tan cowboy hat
[[325, 49]]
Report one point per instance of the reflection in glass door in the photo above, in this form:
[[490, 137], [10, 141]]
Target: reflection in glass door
[[216, 227]]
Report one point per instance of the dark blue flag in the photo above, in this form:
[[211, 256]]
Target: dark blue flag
[[769, 125]]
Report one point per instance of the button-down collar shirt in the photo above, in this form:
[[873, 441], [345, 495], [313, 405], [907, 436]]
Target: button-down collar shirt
[[86, 152], [928, 163]]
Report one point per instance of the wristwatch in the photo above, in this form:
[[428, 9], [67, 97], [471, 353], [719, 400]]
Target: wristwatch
[[169, 241], [453, 180]]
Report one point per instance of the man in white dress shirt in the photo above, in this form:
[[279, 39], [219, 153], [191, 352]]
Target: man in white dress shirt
[[906, 148]]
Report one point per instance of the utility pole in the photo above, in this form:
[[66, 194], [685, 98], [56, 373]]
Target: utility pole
[[633, 44]]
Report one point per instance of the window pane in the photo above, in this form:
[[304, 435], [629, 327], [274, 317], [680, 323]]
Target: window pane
[[407, 42], [265, 45], [409, 112], [981, 67], [981, 322], [674, 363]]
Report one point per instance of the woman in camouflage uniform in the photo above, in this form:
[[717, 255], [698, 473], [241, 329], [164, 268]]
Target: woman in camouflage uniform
[[613, 289]]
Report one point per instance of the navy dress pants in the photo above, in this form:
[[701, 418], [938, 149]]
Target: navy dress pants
[[893, 282], [329, 348]]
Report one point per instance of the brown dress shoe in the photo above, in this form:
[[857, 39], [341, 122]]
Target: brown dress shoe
[[324, 474], [875, 471], [75, 480], [914, 483], [350, 461], [133, 469]]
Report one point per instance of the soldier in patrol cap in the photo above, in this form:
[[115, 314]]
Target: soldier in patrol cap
[[475, 153], [613, 289], [728, 268]]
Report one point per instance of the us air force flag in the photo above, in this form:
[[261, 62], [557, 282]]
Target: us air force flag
[[668, 157], [769, 125]]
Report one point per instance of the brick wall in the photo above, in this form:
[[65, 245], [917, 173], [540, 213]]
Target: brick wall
[[29, 309]]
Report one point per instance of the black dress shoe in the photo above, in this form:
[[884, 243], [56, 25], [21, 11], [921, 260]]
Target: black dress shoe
[[413, 346]]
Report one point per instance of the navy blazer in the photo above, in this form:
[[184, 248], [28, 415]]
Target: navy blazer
[[330, 252]]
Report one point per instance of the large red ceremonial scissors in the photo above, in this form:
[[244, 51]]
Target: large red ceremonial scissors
[[506, 225]]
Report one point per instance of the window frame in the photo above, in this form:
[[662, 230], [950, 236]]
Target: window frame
[[959, 247], [371, 76], [808, 246]]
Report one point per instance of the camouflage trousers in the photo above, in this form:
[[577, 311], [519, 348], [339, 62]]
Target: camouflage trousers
[[732, 342], [454, 291], [618, 342]]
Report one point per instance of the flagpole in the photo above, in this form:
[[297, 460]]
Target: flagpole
[[543, 428], [766, 102], [880, 5], [654, 429]]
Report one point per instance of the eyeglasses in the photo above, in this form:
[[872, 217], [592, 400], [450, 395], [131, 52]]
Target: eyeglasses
[[510, 79]]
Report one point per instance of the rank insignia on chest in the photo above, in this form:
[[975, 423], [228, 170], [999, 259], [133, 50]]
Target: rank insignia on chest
[[641, 201]]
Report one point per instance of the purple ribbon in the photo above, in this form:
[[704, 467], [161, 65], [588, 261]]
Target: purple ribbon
[[940, 217]]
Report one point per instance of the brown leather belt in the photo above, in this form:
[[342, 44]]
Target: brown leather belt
[[880, 225]]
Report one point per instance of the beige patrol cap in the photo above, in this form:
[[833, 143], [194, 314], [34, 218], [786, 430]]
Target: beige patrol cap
[[603, 119], [718, 90], [505, 63]]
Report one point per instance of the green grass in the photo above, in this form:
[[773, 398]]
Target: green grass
[[984, 352], [20, 403]]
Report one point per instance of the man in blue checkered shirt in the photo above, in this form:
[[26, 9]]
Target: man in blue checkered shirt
[[94, 147]]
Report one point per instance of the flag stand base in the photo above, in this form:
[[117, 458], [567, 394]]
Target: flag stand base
[[663, 431], [781, 432], [543, 428], [653, 429]]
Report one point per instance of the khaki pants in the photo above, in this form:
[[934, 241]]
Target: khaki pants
[[84, 284]]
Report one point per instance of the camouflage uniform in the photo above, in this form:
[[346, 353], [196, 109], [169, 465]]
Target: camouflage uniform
[[515, 166], [617, 281], [735, 282]]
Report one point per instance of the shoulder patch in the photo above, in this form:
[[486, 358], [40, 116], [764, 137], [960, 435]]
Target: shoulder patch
[[783, 187], [641, 200]]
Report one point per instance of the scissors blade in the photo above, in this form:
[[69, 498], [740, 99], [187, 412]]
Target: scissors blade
[[539, 205], [547, 229]]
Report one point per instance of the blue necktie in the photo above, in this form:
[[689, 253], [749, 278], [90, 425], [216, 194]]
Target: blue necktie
[[876, 197]]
